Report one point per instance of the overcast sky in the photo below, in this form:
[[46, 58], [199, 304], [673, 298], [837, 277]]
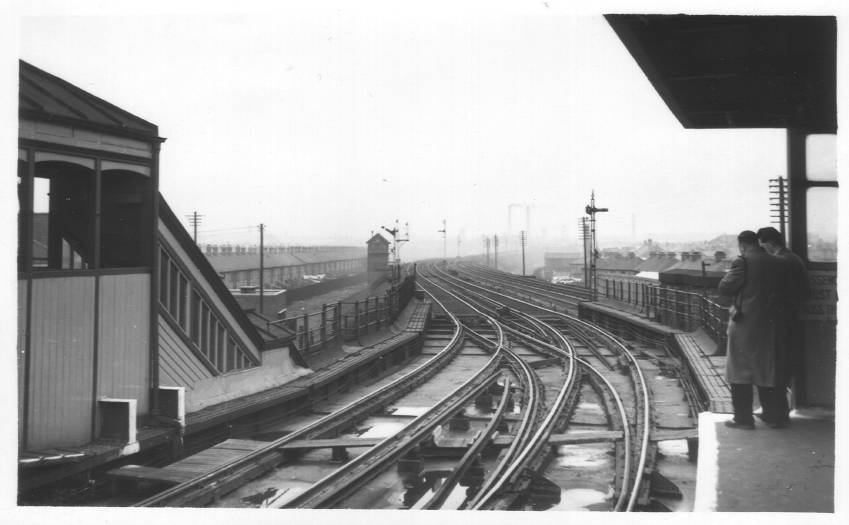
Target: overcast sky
[[326, 123]]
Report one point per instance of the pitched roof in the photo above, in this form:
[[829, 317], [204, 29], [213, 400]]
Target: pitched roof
[[377, 237], [657, 263], [618, 263], [45, 97]]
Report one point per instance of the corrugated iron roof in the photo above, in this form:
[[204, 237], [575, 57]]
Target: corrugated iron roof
[[45, 97]]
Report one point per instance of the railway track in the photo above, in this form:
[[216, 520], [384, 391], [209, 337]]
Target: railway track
[[211, 485], [640, 413], [562, 296], [525, 329]]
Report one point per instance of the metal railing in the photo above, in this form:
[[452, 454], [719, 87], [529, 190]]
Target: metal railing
[[669, 306], [346, 321]]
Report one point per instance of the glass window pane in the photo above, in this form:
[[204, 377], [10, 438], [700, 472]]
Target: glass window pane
[[63, 212], [204, 330], [822, 224], [219, 347], [163, 278], [182, 300], [231, 357], [173, 291], [195, 318], [821, 157], [126, 227], [40, 223]]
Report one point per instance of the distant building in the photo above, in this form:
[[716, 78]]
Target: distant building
[[696, 273], [377, 264], [616, 263], [239, 265]]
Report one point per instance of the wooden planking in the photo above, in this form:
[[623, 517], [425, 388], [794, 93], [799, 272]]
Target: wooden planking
[[71, 136], [177, 364], [123, 349], [21, 352], [216, 456], [141, 473], [710, 378], [61, 362], [418, 319], [192, 466], [336, 442], [673, 435], [578, 438]]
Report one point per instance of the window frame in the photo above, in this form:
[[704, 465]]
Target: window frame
[[28, 151]]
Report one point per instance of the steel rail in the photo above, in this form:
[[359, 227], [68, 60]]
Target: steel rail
[[545, 428], [574, 295], [543, 294], [341, 482], [474, 451], [623, 415], [640, 383], [185, 492], [521, 368]]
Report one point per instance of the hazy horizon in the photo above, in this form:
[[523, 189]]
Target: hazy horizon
[[325, 124]]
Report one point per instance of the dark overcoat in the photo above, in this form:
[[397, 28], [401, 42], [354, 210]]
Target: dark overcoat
[[757, 283], [788, 347]]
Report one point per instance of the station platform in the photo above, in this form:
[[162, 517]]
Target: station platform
[[766, 470], [763, 470]]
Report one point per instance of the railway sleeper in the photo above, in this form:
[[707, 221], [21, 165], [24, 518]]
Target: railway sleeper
[[210, 493]]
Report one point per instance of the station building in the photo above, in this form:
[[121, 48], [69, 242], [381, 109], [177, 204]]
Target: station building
[[122, 321]]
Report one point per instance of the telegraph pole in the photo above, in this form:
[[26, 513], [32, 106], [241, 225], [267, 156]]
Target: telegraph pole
[[495, 242], [458, 246], [444, 232], [591, 210], [396, 247], [261, 265], [194, 220], [778, 203], [486, 242], [584, 239], [523, 239]]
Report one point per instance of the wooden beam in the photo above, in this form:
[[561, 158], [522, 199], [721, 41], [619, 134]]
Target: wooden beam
[[306, 444]]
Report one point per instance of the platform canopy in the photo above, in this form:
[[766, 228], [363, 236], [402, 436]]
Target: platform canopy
[[738, 71], [47, 98]]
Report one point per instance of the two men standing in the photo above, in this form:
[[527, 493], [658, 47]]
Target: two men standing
[[767, 289]]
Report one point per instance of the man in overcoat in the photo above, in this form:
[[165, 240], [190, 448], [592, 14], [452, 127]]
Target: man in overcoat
[[788, 340], [756, 283]]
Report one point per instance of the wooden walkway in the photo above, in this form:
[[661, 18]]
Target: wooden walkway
[[225, 452], [708, 371], [418, 320], [696, 349], [192, 466]]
